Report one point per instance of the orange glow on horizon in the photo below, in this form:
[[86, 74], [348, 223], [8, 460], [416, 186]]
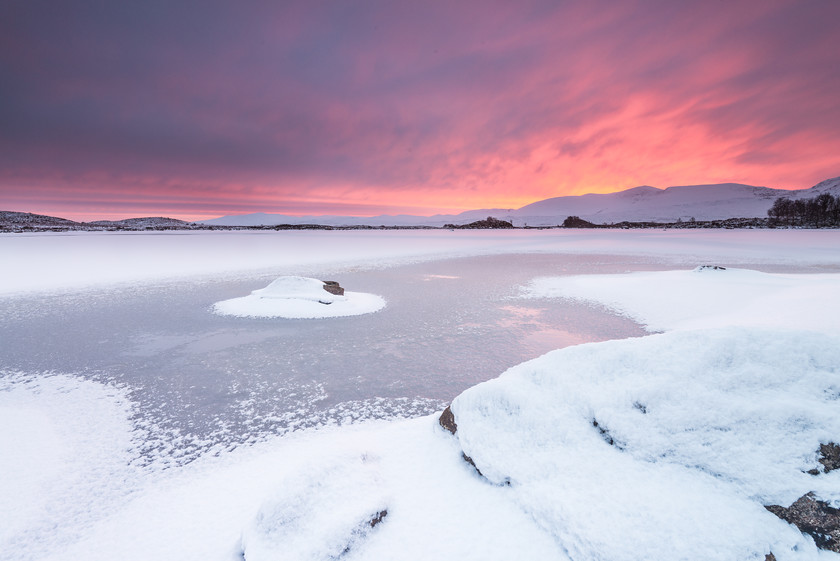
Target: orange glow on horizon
[[314, 111]]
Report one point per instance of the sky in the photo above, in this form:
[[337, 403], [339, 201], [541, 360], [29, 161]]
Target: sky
[[198, 109]]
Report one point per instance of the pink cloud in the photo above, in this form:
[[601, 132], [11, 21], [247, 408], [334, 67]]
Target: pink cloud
[[423, 106]]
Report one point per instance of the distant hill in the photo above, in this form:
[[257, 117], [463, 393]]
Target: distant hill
[[143, 223], [11, 221], [639, 204]]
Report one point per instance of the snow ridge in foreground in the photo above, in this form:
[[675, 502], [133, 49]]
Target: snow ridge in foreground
[[664, 447]]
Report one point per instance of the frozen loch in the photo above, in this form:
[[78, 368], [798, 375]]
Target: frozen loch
[[205, 397]]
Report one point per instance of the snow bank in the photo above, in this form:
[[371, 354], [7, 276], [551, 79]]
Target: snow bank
[[321, 513], [664, 447], [35, 263], [706, 297], [297, 298], [294, 497], [65, 446]]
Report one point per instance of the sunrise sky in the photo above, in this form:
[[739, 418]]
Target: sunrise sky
[[199, 109]]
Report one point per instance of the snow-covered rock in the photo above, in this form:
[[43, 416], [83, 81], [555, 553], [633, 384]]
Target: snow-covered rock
[[664, 447], [319, 513], [300, 297], [298, 288]]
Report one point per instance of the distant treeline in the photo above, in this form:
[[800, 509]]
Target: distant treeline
[[821, 211]]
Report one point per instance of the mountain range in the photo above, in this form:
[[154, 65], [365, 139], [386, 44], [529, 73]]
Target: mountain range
[[639, 204]]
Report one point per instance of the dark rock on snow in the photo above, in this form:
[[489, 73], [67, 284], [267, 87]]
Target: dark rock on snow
[[830, 456], [813, 517], [378, 517], [447, 420], [333, 288], [472, 463]]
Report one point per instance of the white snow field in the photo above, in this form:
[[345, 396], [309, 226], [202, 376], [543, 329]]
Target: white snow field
[[65, 262], [662, 447], [706, 297], [295, 297]]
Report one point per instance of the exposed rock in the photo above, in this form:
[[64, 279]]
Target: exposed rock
[[472, 463], [770, 557], [576, 222], [378, 517], [710, 268], [333, 288], [813, 517], [605, 434], [447, 420], [830, 456]]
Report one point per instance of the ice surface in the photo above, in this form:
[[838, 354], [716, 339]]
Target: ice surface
[[294, 297]]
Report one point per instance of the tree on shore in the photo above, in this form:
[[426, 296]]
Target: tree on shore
[[822, 211]]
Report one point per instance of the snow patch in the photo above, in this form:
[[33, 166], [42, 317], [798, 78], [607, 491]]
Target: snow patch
[[706, 297], [65, 443]]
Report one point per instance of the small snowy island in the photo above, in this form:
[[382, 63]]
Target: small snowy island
[[294, 297]]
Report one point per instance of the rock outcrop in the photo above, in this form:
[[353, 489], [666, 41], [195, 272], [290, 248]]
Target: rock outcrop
[[813, 517], [333, 288], [830, 456], [447, 420]]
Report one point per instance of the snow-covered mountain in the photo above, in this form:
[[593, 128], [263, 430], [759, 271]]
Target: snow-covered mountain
[[639, 204]]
